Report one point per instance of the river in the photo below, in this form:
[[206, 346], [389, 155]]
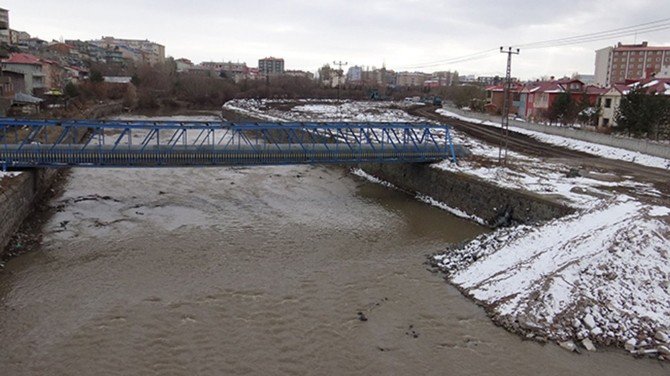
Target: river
[[258, 270]]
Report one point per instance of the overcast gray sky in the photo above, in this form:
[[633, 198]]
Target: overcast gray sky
[[308, 34]]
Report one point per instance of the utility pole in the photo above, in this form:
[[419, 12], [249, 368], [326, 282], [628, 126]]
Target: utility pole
[[504, 129], [340, 64]]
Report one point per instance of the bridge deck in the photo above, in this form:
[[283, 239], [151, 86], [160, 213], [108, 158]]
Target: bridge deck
[[65, 143]]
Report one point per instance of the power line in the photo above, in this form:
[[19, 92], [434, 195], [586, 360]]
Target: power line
[[582, 40], [454, 59], [604, 33], [643, 28]]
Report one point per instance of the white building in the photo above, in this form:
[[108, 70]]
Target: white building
[[609, 104], [603, 62]]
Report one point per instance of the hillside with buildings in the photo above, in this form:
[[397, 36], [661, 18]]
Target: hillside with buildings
[[36, 72]]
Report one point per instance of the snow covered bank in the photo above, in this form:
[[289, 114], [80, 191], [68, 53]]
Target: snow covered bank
[[569, 143], [602, 274], [323, 110]]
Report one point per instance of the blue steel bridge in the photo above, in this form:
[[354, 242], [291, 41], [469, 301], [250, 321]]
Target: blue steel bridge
[[89, 143]]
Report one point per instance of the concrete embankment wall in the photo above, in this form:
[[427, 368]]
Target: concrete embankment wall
[[18, 199], [643, 146], [495, 205], [19, 195]]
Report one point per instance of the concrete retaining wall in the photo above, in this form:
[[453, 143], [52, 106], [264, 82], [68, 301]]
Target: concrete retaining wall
[[18, 199], [495, 205], [632, 144]]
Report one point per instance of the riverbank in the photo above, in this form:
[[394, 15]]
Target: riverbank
[[597, 276], [23, 193]]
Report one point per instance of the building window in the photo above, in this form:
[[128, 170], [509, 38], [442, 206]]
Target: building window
[[608, 102], [606, 122]]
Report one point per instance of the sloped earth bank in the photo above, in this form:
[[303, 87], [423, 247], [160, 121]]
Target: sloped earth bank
[[599, 276]]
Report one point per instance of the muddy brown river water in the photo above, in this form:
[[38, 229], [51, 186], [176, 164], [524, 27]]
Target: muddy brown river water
[[254, 271]]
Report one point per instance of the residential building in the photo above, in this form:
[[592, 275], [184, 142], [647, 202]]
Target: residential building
[[665, 72], [119, 55], [490, 80], [253, 74], [6, 87], [91, 52], [467, 79], [17, 37], [33, 44], [629, 62], [226, 69], [30, 67], [59, 48], [495, 98], [183, 64], [338, 79], [532, 101], [373, 77], [299, 73], [4, 27], [271, 66], [140, 51], [610, 101], [411, 79], [355, 74], [440, 79], [76, 74], [55, 76]]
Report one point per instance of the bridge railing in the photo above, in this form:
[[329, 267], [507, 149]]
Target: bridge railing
[[62, 143]]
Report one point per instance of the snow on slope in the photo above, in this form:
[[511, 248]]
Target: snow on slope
[[609, 263]]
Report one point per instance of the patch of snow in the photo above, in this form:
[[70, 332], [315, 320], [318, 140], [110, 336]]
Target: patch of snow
[[9, 174], [359, 172], [457, 212]]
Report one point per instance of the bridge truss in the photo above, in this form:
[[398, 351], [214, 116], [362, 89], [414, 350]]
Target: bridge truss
[[87, 143]]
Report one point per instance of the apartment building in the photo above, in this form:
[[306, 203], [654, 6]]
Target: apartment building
[[271, 66], [4, 26], [141, 51], [629, 62], [226, 69], [355, 74], [409, 79], [300, 74]]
